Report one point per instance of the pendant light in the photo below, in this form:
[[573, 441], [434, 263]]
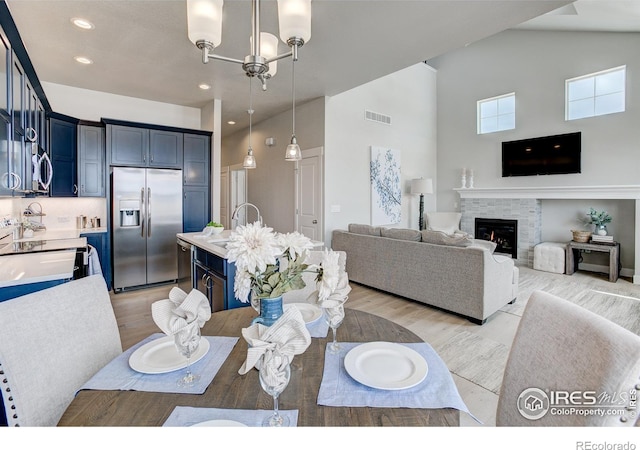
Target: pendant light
[[293, 153], [249, 160]]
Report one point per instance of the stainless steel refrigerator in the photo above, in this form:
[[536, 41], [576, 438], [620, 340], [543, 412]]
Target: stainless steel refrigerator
[[146, 214]]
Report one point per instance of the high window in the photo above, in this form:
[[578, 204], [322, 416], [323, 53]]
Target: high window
[[595, 94], [497, 113]]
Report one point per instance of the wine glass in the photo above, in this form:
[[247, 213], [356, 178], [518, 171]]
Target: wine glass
[[187, 346], [274, 385], [334, 320]]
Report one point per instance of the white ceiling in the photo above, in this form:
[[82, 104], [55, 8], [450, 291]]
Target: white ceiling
[[140, 47]]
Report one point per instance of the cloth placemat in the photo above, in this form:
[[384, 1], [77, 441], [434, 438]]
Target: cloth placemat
[[318, 328], [186, 416], [117, 375], [437, 390]]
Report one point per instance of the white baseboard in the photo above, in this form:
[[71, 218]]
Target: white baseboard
[[624, 272]]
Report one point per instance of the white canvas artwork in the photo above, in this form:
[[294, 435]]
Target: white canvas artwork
[[386, 190]]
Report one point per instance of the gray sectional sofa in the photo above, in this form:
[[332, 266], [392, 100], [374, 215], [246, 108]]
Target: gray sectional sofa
[[455, 272]]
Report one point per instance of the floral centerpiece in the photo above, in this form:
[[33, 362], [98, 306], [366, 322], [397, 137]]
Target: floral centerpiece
[[269, 264]]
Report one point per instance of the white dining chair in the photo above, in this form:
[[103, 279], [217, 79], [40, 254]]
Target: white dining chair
[[564, 356], [52, 342]]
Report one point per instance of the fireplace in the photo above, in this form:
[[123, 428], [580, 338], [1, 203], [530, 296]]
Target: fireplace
[[503, 232]]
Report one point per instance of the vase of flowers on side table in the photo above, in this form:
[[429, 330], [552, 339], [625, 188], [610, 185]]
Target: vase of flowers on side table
[[600, 220]]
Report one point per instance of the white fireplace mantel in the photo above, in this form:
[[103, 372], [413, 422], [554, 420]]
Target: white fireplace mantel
[[628, 192], [557, 192]]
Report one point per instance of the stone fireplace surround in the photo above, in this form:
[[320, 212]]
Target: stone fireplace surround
[[524, 204]]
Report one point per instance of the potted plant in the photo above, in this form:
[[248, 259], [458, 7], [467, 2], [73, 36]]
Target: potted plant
[[213, 228], [600, 220]]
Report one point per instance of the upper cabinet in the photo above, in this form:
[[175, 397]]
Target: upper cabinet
[[91, 161], [24, 164], [165, 149], [63, 143], [143, 147]]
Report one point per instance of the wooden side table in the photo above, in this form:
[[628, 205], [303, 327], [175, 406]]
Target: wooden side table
[[573, 257]]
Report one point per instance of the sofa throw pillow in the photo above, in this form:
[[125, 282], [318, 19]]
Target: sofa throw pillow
[[404, 234], [441, 238], [491, 246], [358, 228], [447, 222]]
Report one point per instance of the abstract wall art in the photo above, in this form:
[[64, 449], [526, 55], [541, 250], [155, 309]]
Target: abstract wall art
[[386, 189]]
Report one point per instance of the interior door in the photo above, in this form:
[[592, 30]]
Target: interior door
[[238, 188], [309, 188], [224, 197]]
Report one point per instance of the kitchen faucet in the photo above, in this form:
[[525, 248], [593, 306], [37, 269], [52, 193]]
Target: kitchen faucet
[[242, 205]]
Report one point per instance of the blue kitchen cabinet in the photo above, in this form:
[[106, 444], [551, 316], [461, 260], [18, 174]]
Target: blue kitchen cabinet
[[196, 208], [91, 161], [63, 144], [196, 203], [165, 149], [135, 146], [214, 276], [100, 241]]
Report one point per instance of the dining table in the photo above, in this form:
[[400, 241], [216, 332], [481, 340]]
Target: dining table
[[230, 390]]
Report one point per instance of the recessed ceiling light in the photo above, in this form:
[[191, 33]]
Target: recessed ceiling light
[[83, 60], [204, 86], [82, 23], [231, 122]]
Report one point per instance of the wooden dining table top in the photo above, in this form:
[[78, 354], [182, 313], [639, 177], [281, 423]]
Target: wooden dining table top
[[231, 390]]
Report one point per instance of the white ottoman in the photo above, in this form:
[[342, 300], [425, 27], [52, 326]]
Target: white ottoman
[[549, 257]]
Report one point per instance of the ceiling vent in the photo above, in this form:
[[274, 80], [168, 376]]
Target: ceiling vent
[[377, 117]]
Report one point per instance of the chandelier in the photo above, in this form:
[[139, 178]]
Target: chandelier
[[204, 19]]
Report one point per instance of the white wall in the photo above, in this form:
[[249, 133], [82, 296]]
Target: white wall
[[535, 65], [409, 97], [271, 185], [94, 105]]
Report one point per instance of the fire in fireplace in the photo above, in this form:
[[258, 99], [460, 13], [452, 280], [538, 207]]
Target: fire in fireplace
[[503, 232]]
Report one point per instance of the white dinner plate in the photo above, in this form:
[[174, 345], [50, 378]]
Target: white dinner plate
[[385, 365], [219, 423], [310, 313], [161, 356]]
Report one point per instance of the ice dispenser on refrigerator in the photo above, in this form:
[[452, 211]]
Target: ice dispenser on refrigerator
[[129, 213]]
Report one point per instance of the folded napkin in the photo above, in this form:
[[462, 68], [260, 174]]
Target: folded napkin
[[186, 416], [333, 305], [272, 348], [181, 315]]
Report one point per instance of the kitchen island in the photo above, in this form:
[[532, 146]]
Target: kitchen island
[[210, 271]]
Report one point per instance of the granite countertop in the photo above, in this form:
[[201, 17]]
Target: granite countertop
[[71, 233], [215, 244], [36, 267]]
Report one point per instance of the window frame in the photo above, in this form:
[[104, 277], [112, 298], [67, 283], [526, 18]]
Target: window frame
[[494, 99], [594, 76]]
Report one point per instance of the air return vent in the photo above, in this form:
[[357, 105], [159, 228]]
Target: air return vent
[[377, 117]]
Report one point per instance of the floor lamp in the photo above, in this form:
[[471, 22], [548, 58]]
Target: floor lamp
[[421, 186]]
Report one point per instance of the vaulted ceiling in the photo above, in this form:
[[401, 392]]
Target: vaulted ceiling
[[140, 48]]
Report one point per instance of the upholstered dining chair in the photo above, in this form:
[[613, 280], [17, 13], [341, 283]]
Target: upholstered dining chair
[[564, 356], [51, 343]]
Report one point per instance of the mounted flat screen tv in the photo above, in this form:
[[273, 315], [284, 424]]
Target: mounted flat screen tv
[[549, 155]]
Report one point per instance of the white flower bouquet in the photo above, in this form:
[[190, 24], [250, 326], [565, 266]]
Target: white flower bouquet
[[269, 264]]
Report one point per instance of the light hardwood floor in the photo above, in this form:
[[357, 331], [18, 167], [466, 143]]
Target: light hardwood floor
[[133, 314]]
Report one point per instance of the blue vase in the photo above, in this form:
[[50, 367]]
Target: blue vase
[[270, 311]]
